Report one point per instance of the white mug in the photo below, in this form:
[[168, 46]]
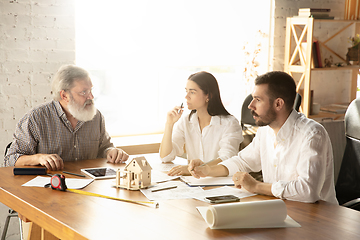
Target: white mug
[[315, 109]]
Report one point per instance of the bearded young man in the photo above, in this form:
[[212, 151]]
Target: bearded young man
[[293, 152], [69, 128]]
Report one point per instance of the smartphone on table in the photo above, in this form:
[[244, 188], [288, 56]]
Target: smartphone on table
[[223, 199]]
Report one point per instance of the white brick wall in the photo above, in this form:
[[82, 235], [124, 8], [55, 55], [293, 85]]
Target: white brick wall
[[36, 38]]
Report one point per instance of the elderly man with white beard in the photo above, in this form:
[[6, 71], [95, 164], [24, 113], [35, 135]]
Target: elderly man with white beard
[[69, 128]]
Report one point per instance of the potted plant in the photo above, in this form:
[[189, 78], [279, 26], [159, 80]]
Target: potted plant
[[353, 53]]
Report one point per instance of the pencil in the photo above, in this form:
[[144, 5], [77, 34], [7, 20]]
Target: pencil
[[79, 175], [166, 188], [182, 105]]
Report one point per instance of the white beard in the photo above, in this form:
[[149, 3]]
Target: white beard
[[82, 113]]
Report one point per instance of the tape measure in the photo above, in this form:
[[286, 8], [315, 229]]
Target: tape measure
[[57, 182]]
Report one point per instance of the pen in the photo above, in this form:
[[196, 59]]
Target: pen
[[166, 188], [182, 105], [204, 164], [74, 174]]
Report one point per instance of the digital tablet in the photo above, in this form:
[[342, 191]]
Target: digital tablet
[[100, 173]]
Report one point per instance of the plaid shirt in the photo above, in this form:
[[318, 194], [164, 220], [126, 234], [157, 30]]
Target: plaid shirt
[[45, 129]]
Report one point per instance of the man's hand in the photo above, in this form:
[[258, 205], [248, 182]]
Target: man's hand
[[52, 162], [196, 170], [179, 170], [116, 155], [245, 180]]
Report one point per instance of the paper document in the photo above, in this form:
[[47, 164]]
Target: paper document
[[259, 214], [207, 181], [163, 167], [74, 183], [182, 191], [157, 176]]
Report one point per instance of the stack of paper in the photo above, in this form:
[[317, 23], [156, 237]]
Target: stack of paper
[[320, 13]]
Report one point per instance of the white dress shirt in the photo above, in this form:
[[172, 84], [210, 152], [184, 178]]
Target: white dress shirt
[[220, 139], [298, 161]]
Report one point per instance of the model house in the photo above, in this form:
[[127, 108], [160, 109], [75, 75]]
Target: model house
[[136, 174]]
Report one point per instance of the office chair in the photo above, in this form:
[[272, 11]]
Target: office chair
[[348, 183], [297, 102], [247, 121], [11, 214], [246, 116]]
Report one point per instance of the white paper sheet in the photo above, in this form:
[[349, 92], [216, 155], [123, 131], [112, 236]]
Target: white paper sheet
[[163, 167], [182, 191], [157, 177], [73, 183], [259, 214]]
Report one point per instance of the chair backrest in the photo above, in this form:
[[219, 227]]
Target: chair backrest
[[297, 102], [246, 116], [7, 148], [352, 119], [348, 183]]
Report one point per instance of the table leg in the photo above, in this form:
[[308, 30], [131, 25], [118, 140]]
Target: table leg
[[36, 233]]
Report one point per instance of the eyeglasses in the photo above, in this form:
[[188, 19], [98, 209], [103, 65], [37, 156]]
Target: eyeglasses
[[85, 93]]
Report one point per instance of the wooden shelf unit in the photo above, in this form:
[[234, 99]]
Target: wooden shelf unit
[[298, 59]]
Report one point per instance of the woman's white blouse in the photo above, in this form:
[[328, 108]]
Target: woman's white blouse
[[220, 139]]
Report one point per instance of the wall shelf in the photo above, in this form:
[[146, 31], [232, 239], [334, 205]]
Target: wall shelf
[[352, 67], [298, 56]]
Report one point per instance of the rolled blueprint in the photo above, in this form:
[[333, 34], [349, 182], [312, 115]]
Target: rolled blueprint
[[259, 214]]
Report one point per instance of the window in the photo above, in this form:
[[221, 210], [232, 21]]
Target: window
[[140, 54]]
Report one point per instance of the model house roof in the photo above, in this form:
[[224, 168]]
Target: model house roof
[[139, 161]]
